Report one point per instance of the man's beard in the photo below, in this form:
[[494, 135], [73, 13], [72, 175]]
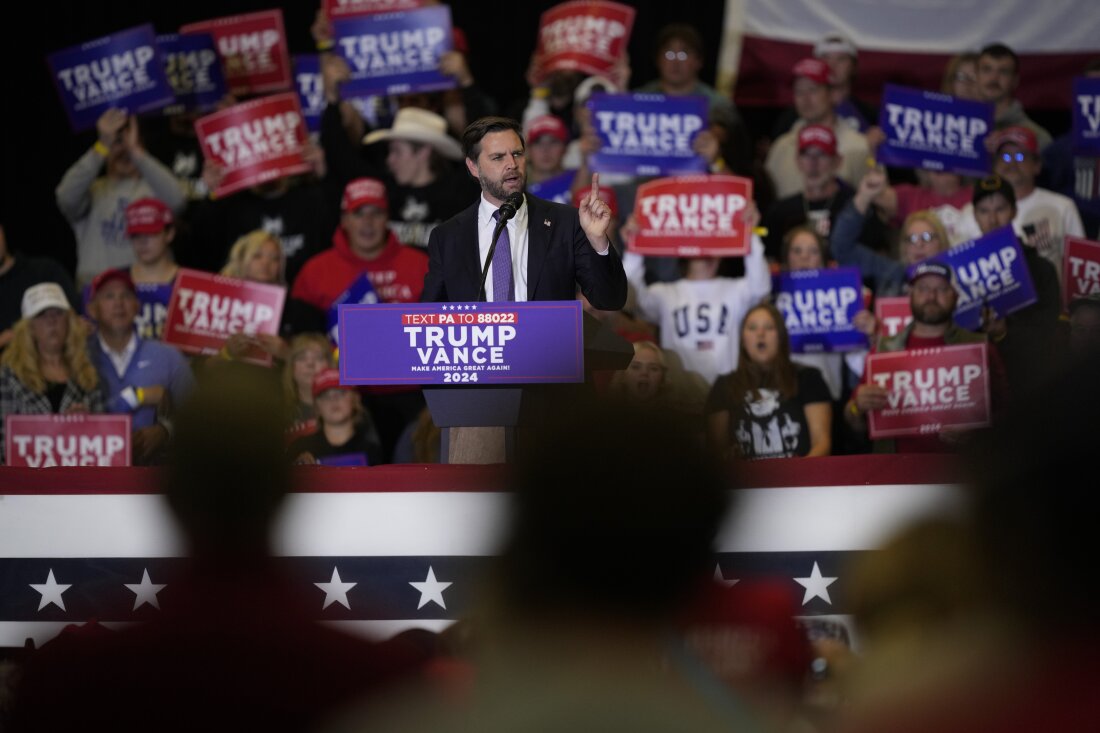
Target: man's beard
[[497, 190], [931, 314]]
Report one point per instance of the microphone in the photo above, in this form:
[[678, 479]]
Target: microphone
[[507, 210]]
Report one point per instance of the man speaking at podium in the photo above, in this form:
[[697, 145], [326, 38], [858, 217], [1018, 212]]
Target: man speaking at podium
[[544, 249]]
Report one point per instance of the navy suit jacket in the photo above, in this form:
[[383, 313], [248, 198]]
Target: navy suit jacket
[[558, 257]]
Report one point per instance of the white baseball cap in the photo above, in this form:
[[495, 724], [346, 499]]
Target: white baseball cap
[[38, 298]]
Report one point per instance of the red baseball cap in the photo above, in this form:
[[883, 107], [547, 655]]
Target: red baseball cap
[[327, 379], [121, 274], [546, 125], [1021, 137], [817, 136], [147, 216], [364, 192], [607, 195], [815, 70]]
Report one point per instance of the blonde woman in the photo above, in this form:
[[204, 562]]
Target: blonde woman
[[46, 369], [257, 257]]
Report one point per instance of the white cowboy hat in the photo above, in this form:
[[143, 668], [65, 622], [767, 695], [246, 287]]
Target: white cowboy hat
[[422, 126]]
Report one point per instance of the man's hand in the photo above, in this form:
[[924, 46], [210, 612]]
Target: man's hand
[[870, 397], [453, 64], [865, 322], [321, 29], [147, 442], [334, 72], [110, 124], [131, 137], [706, 145], [152, 395], [314, 154], [595, 216], [212, 175], [751, 217], [870, 187]]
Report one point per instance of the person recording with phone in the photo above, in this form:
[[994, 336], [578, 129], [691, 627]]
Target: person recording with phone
[[543, 250]]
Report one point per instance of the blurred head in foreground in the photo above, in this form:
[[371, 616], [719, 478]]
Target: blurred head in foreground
[[228, 472], [614, 515]]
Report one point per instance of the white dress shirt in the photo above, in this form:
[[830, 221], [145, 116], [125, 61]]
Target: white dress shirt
[[517, 235]]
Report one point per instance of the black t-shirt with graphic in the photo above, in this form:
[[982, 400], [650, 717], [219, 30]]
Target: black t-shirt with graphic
[[768, 426]]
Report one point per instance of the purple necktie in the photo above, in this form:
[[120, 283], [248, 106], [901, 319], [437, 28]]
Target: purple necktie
[[503, 286]]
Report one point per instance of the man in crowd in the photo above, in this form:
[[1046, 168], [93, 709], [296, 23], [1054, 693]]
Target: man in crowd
[[822, 195], [96, 205], [1043, 218], [814, 107], [679, 59], [142, 378], [932, 299], [547, 178], [998, 78]]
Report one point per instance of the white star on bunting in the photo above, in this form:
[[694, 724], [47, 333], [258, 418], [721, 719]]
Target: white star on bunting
[[431, 590], [721, 579], [51, 592], [145, 591], [816, 586], [336, 590]]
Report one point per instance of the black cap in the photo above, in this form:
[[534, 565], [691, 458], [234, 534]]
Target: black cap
[[992, 185]]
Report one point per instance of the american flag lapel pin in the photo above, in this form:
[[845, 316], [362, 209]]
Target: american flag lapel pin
[[546, 222]]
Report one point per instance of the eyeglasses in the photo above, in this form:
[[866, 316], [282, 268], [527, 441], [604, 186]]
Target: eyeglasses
[[676, 55], [1009, 157], [922, 237]]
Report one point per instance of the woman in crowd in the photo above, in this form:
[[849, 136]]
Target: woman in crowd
[[46, 369], [257, 257], [345, 435], [308, 355], [643, 381], [769, 407]]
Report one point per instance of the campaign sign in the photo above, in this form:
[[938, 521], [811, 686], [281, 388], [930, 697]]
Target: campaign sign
[[554, 189], [590, 36], [344, 459], [253, 49], [43, 441], [255, 142], [154, 299], [123, 70], [934, 131], [207, 309], [396, 53], [194, 70], [1080, 269], [462, 343], [311, 92], [893, 315], [930, 389], [1086, 115], [647, 134], [361, 291], [989, 271], [350, 8], [693, 216], [819, 307]]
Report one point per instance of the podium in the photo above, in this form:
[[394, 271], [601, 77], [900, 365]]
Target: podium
[[487, 369], [479, 424]]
